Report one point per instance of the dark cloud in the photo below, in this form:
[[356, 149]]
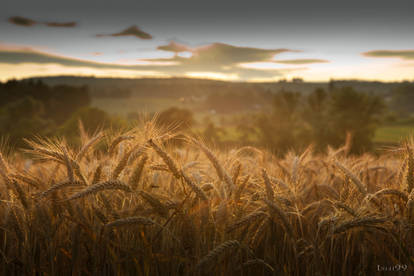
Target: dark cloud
[[131, 31], [403, 54], [22, 21], [27, 22], [301, 61]]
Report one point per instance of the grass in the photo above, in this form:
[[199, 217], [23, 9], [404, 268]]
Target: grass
[[393, 133], [137, 203]]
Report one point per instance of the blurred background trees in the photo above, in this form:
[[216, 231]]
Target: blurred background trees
[[321, 118], [280, 121]]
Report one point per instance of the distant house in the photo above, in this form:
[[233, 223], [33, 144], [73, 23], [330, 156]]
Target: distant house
[[297, 80]]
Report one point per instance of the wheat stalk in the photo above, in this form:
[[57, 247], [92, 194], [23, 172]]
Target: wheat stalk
[[395, 192], [129, 221], [221, 172], [247, 220], [107, 185], [97, 174], [275, 209], [116, 141], [137, 172], [121, 165], [216, 252], [196, 189], [166, 158], [358, 222], [269, 189], [86, 147], [410, 169], [59, 186], [161, 208], [355, 179], [21, 195]]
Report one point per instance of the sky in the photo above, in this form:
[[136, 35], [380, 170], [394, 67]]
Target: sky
[[258, 40]]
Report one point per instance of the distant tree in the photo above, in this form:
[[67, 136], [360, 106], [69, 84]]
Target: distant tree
[[322, 119], [282, 129], [178, 118], [65, 100], [235, 100], [212, 132], [93, 119], [402, 99], [316, 117], [23, 118], [354, 112], [59, 102]]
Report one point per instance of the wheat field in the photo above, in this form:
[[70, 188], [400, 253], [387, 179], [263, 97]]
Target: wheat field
[[135, 203]]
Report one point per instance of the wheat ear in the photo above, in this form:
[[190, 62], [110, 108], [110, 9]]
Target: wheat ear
[[196, 189], [166, 158], [353, 177], [216, 252], [107, 185], [247, 220], [221, 172], [116, 141], [269, 189], [129, 221], [358, 222], [274, 208], [136, 174]]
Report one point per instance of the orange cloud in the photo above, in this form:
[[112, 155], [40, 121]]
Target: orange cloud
[[402, 54], [215, 59], [301, 61]]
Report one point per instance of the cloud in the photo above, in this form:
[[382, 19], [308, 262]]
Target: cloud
[[174, 47], [131, 31], [222, 58], [402, 54], [22, 21], [27, 22], [220, 54], [13, 54], [301, 61], [217, 58]]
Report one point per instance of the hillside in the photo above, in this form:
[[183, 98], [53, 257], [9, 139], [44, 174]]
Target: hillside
[[178, 87]]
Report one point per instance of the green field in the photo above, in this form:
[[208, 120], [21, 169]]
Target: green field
[[393, 133], [123, 106]]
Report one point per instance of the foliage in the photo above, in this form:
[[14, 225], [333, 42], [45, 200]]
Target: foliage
[[178, 118], [357, 113], [59, 102], [212, 133], [322, 119], [233, 101], [24, 118], [92, 119], [402, 99]]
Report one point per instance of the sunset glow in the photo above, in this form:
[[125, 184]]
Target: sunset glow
[[146, 41]]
